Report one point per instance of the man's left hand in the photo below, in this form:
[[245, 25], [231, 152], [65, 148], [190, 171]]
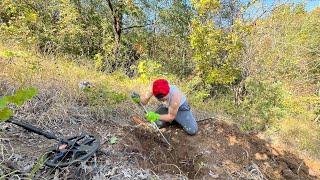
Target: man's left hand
[[136, 97]]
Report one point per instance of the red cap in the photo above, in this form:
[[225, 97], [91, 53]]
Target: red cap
[[160, 87]]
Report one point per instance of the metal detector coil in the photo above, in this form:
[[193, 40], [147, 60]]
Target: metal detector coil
[[68, 151]]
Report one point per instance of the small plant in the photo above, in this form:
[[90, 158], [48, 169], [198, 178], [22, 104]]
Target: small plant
[[113, 140], [38, 165], [18, 98], [98, 61], [201, 165], [11, 54]]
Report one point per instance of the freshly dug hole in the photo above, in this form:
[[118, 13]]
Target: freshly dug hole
[[217, 151], [154, 153]]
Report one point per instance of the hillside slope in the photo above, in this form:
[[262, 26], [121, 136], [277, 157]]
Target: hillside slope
[[218, 151]]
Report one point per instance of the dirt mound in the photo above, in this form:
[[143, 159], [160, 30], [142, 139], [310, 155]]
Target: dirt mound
[[217, 151]]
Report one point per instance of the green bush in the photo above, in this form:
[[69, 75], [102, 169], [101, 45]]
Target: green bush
[[262, 105], [101, 96], [147, 70]]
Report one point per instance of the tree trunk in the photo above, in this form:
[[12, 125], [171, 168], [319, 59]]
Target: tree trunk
[[117, 27], [117, 24]]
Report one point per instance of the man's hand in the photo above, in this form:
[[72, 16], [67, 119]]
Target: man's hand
[[136, 97], [152, 116]]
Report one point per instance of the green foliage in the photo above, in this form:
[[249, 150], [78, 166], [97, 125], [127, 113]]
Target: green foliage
[[8, 11], [217, 52], [176, 18], [37, 166], [266, 98], [101, 96], [22, 95], [284, 53], [148, 69], [206, 7], [11, 54], [263, 104], [5, 113], [174, 53], [98, 61], [113, 140], [222, 75], [18, 99]]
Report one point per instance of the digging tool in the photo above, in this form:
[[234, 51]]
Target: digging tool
[[67, 151], [153, 123]]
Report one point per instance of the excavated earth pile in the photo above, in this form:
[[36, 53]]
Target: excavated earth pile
[[218, 151]]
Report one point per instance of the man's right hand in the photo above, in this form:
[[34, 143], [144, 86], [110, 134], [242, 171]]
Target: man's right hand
[[136, 97], [152, 116]]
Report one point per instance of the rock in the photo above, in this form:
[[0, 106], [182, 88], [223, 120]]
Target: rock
[[126, 173], [5, 127], [142, 176], [261, 156], [98, 177], [214, 176], [16, 157], [27, 168], [288, 174], [112, 172]]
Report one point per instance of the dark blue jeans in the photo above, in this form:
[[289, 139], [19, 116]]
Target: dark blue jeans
[[184, 118]]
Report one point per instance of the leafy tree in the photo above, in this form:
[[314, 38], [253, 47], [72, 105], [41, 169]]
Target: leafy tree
[[284, 45], [217, 51]]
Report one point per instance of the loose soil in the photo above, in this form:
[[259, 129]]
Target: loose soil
[[218, 151]]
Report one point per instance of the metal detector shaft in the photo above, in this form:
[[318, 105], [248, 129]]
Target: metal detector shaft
[[33, 129], [155, 125]]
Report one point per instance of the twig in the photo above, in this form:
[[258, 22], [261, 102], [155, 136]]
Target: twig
[[205, 119], [180, 172], [317, 118], [197, 172], [256, 167], [247, 153], [2, 177], [56, 175], [298, 171], [227, 170], [135, 26], [116, 175], [155, 174]]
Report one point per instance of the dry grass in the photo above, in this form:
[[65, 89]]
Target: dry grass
[[58, 83]]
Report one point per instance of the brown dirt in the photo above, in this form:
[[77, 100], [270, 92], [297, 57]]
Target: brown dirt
[[217, 151]]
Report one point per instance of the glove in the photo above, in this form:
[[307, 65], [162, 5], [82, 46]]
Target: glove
[[152, 116], [135, 97]]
